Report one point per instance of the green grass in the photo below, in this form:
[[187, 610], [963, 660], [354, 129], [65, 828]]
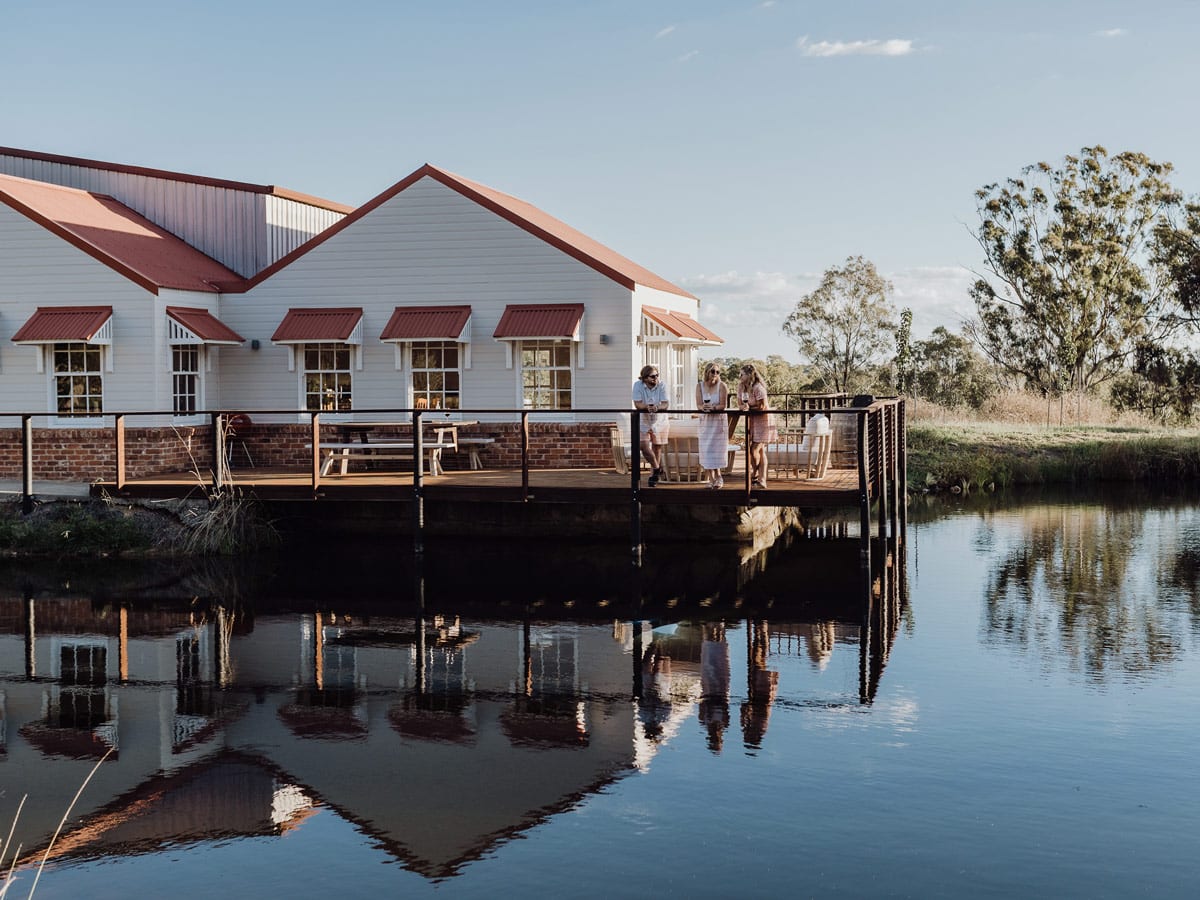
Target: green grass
[[89, 528], [989, 455]]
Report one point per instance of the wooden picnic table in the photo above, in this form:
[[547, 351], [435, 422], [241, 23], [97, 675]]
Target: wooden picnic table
[[443, 435]]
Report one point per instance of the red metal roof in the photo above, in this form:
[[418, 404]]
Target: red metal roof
[[204, 325], [116, 236], [681, 325], [63, 323], [324, 324], [539, 320], [524, 215], [426, 323]]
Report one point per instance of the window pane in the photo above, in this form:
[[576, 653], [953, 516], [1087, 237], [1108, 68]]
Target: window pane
[[327, 379]]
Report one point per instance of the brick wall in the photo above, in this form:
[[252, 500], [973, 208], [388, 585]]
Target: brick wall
[[89, 454]]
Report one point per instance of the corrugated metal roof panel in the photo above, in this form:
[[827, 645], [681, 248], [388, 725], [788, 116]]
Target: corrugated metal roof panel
[[63, 323], [427, 323], [204, 325], [117, 236], [681, 325], [315, 325], [539, 320]]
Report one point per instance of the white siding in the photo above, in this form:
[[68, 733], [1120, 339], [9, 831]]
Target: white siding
[[39, 269], [430, 245], [243, 229]]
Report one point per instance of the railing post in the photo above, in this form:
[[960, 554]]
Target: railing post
[[881, 476], [218, 455], [418, 484], [864, 497], [26, 464], [119, 435], [902, 460]]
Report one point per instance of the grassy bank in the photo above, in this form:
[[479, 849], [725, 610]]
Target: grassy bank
[[975, 456]]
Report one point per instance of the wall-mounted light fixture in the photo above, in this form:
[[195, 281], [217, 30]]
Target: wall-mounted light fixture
[[606, 339], [254, 344]]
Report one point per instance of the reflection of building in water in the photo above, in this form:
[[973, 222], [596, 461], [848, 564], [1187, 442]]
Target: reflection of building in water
[[549, 707], [439, 739]]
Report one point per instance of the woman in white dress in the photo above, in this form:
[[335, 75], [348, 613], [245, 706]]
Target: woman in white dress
[[760, 429], [712, 397]]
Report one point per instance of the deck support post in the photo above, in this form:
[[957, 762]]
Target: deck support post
[[524, 457], [30, 636], [418, 486], [26, 464], [635, 487], [864, 496]]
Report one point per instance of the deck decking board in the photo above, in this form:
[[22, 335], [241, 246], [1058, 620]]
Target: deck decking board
[[839, 487]]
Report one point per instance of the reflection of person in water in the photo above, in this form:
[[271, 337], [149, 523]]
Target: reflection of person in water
[[714, 684], [820, 640], [655, 706], [761, 686]]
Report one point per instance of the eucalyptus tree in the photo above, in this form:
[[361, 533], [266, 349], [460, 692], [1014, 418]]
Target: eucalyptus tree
[[1067, 296], [1177, 251], [904, 354], [845, 325]]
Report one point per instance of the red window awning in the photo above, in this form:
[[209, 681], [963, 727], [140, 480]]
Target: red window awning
[[51, 324], [428, 323], [326, 325], [680, 326], [540, 320], [200, 326]]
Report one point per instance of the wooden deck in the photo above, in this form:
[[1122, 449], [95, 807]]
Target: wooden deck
[[839, 487]]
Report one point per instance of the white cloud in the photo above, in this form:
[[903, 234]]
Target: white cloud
[[937, 295], [1110, 33], [748, 310], [664, 32], [891, 47], [687, 56]]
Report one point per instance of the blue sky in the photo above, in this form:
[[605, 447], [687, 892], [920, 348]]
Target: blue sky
[[736, 148]]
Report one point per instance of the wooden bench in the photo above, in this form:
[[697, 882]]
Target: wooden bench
[[343, 451], [473, 445], [796, 455]]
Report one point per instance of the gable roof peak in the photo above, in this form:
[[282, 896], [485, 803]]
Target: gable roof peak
[[524, 215]]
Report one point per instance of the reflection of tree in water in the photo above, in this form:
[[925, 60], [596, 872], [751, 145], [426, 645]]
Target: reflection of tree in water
[[1179, 575], [1077, 587]]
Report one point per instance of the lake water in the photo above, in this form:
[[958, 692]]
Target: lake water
[[1010, 708]]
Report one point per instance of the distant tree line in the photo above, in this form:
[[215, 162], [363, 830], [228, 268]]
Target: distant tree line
[[1089, 284]]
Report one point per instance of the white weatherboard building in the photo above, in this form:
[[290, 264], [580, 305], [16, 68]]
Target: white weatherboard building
[[124, 289]]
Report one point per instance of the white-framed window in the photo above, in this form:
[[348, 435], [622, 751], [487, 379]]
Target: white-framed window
[[78, 379], [326, 376], [185, 379], [547, 375], [681, 378], [436, 374]]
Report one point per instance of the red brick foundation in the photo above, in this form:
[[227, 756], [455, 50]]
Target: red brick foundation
[[89, 454]]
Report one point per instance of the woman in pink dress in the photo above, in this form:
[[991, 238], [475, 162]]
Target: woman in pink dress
[[760, 430]]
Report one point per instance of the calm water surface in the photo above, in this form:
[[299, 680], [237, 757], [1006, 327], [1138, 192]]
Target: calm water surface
[[1016, 713]]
